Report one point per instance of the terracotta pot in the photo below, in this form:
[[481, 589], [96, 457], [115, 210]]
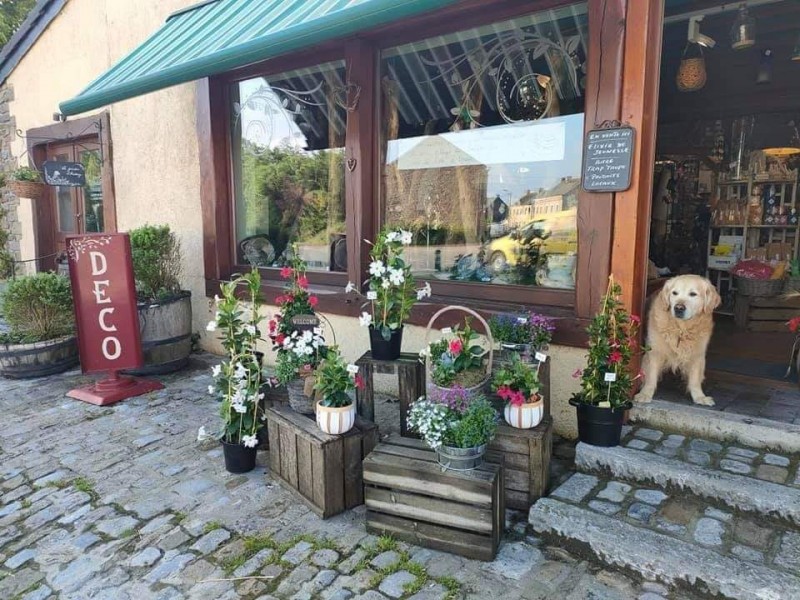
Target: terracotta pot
[[336, 421], [525, 416]]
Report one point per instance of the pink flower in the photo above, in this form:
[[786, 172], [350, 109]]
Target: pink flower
[[578, 373], [313, 301], [359, 380], [302, 281], [636, 319], [456, 346], [504, 392], [615, 357], [287, 272], [279, 339]]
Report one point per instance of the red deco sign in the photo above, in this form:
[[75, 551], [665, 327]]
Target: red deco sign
[[104, 294]]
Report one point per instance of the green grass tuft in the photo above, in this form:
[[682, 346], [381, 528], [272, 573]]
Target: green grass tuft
[[211, 526], [82, 484]]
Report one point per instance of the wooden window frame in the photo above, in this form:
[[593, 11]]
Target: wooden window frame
[[604, 89]]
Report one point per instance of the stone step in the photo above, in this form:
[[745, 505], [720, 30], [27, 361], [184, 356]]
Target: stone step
[[686, 544], [715, 425], [739, 477]]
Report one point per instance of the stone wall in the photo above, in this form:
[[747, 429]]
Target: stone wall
[[9, 203]]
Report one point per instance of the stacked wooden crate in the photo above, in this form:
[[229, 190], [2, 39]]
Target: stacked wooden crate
[[765, 313]]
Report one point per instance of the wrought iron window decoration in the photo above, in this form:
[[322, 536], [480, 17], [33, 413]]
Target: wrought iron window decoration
[[70, 137]]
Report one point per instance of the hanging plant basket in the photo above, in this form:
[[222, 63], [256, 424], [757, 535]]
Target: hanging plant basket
[[27, 189]]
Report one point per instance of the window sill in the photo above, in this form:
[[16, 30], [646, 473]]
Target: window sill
[[570, 331]]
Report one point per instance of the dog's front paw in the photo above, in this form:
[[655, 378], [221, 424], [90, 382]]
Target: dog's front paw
[[643, 398], [704, 401]]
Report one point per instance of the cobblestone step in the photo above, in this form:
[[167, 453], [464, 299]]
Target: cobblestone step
[[684, 543], [742, 478]]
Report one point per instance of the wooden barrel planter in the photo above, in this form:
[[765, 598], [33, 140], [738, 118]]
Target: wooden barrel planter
[[166, 330], [38, 359]]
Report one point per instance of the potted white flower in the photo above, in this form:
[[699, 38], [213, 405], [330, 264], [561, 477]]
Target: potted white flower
[[335, 383], [237, 381], [299, 356], [391, 294]]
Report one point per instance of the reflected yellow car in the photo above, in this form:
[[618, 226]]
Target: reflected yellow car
[[557, 233]]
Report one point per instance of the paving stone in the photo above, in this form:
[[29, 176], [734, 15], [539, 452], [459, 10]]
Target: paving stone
[[171, 563], [637, 444], [747, 553], [55, 476], [576, 488], [325, 558], [161, 522], [385, 560], [515, 560], [211, 541], [673, 441], [394, 585], [229, 551], [735, 466], [776, 460], [666, 451], [116, 527], [742, 452], [751, 533], [40, 593], [75, 573], [650, 596], [340, 594], [654, 497], [788, 555], [44, 516], [607, 508], [145, 558], [175, 538], [348, 564], [614, 491], [10, 508], [322, 580], [79, 513], [641, 511], [718, 514], [146, 440], [698, 458], [254, 563], [292, 583], [772, 473], [371, 595], [431, 591], [85, 540], [648, 434], [709, 532], [20, 558], [699, 445], [251, 588], [297, 553]]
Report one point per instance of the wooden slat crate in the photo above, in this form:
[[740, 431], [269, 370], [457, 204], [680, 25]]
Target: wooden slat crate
[[410, 497], [757, 313], [323, 470], [527, 461]]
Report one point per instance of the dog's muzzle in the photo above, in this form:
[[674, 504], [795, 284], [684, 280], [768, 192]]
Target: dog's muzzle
[[679, 310]]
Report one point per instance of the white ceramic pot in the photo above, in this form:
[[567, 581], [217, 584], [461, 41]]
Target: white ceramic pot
[[336, 421], [525, 416]]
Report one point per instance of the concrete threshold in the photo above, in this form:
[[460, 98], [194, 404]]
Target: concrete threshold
[[701, 422], [735, 491], [657, 557]]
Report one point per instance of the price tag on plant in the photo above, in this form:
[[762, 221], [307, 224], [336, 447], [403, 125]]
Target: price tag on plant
[[372, 295], [447, 330], [541, 357], [611, 377], [522, 320]]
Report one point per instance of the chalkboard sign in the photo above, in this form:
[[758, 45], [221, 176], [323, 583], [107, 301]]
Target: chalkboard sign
[[67, 174], [608, 156], [304, 322]]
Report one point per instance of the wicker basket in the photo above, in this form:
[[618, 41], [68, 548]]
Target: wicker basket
[[299, 401], [27, 189], [758, 287], [791, 284]]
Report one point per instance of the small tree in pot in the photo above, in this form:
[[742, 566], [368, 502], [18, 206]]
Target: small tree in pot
[[41, 340], [165, 311], [606, 382]]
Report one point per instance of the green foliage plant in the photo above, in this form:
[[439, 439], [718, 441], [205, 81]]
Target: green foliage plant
[[532, 328], [441, 421], [12, 14], [237, 380], [38, 308], [25, 174], [516, 382], [457, 358], [156, 253], [613, 344], [335, 379]]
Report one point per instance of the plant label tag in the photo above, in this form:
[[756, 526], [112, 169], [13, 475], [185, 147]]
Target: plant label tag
[[611, 377], [605, 404], [372, 295], [522, 320], [447, 330], [541, 357]]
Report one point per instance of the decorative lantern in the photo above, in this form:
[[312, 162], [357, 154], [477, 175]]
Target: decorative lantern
[[692, 74], [743, 32]]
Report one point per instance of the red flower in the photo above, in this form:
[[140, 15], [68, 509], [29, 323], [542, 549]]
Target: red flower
[[313, 301], [636, 319], [279, 339], [615, 357], [456, 347], [359, 381], [504, 392], [302, 281], [794, 324], [287, 272], [273, 325]]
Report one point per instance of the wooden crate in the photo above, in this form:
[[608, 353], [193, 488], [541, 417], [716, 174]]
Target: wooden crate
[[757, 313], [409, 497], [323, 470], [526, 454]]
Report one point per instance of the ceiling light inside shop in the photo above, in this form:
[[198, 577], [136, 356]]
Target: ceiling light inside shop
[[697, 37], [743, 32]]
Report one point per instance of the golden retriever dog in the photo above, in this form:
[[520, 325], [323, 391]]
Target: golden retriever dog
[[679, 325]]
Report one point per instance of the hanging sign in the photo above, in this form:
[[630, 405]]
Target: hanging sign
[[104, 295], [607, 159], [66, 174]]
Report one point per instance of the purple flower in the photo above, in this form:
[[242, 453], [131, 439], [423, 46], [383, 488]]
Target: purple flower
[[456, 399]]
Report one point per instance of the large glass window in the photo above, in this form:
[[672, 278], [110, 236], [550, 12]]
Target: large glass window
[[288, 167], [481, 149]]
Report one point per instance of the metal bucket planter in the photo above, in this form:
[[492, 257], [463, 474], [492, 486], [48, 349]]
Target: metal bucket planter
[[299, 401], [460, 459], [39, 359], [166, 330]]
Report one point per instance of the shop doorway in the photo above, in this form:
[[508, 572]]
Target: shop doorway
[[725, 196]]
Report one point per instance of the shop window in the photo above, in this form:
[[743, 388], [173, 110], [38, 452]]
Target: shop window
[[481, 149], [288, 142]]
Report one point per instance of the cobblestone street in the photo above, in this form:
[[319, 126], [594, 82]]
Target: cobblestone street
[[123, 503]]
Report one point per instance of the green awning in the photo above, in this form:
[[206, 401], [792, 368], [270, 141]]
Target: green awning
[[220, 35]]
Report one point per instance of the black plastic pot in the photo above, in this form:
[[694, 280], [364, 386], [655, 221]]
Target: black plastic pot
[[599, 426], [385, 349], [238, 458]]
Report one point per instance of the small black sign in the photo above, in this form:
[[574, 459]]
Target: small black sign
[[608, 156], [67, 174], [304, 322]]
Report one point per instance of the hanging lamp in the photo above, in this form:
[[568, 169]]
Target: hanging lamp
[[743, 32]]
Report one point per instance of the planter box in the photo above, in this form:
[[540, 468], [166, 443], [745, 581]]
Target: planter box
[[526, 454], [322, 470], [409, 497]]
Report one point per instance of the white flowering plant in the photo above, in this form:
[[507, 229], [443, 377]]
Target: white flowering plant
[[453, 419], [391, 290], [299, 355], [238, 379], [335, 379]]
